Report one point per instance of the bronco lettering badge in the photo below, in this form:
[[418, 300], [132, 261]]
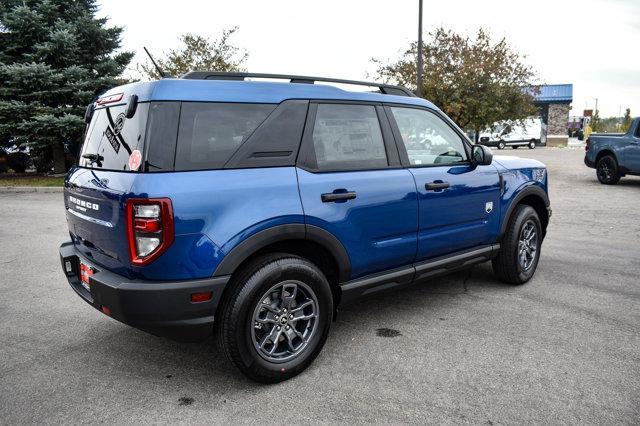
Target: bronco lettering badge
[[83, 205]]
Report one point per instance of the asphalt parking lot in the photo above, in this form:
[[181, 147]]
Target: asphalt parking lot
[[564, 348]]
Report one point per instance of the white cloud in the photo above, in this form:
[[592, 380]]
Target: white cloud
[[591, 43]]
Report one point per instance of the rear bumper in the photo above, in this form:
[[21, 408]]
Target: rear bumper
[[589, 163], [158, 307]]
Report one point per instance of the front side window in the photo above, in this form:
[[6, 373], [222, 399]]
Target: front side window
[[427, 138], [348, 137], [210, 133]]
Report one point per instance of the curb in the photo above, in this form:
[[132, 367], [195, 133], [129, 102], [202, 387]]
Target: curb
[[29, 189]]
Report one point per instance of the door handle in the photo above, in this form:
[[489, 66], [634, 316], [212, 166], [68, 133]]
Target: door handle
[[434, 186], [337, 196]]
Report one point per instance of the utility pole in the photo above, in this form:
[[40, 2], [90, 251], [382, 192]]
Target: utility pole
[[419, 69]]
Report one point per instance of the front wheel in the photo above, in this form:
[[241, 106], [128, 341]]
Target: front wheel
[[607, 170], [276, 318], [501, 145], [519, 253], [532, 144]]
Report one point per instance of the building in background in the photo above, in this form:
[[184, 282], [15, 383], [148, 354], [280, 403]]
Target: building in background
[[554, 103]]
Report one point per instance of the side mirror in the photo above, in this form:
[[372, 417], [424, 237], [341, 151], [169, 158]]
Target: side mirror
[[132, 105], [481, 155]]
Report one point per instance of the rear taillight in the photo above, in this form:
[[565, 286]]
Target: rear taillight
[[149, 228], [587, 143]]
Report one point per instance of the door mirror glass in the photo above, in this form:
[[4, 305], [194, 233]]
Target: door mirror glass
[[481, 155]]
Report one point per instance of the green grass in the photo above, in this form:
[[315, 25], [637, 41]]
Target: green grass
[[8, 180]]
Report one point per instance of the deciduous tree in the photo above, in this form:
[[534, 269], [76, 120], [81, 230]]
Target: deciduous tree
[[475, 81], [199, 53]]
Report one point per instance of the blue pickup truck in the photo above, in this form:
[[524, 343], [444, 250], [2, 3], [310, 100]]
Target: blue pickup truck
[[614, 155], [255, 208]]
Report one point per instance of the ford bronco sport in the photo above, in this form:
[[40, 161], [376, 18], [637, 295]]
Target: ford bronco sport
[[255, 208]]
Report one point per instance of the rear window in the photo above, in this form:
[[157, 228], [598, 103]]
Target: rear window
[[111, 138], [210, 133]]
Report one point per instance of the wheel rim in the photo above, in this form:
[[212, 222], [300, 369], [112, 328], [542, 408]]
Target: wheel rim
[[284, 321], [527, 245], [605, 170]]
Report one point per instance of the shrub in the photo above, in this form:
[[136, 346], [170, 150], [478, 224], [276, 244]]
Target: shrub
[[3, 161], [18, 161]]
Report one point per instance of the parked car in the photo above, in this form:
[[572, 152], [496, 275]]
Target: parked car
[[614, 155], [503, 134], [256, 208]]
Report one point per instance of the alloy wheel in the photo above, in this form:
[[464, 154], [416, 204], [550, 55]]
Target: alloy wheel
[[527, 245], [605, 170], [284, 321]]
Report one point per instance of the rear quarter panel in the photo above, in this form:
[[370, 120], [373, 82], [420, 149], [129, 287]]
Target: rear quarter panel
[[613, 144], [214, 210]]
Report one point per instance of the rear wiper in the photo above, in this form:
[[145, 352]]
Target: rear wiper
[[93, 158]]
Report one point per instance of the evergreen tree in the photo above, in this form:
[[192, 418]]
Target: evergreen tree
[[55, 57], [626, 121]]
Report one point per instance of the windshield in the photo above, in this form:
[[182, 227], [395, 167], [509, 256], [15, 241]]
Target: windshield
[[111, 138]]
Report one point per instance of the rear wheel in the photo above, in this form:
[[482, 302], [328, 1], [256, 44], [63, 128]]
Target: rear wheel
[[520, 250], [276, 318], [607, 170], [532, 144], [501, 145]]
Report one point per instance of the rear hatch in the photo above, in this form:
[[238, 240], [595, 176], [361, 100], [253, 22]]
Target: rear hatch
[[95, 193]]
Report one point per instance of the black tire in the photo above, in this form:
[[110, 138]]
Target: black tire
[[532, 144], [236, 320], [607, 170], [507, 265], [501, 145]]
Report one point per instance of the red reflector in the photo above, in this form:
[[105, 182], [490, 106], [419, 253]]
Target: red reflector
[[201, 297], [109, 99], [146, 225], [106, 310]]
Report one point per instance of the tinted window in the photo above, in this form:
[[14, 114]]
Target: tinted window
[[348, 137], [161, 135], [111, 138], [209, 133], [428, 139]]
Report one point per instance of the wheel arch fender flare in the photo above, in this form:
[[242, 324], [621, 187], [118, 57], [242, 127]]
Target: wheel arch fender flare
[[606, 150], [281, 233], [531, 190]]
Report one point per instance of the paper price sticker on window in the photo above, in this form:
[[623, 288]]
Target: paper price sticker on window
[[135, 159]]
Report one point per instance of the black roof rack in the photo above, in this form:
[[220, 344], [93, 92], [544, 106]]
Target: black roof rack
[[387, 89]]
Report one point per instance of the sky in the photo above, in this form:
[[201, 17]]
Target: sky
[[593, 44]]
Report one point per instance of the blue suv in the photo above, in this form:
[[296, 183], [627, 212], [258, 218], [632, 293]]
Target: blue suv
[[255, 208]]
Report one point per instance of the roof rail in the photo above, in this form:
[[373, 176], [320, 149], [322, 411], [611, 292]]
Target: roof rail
[[387, 89]]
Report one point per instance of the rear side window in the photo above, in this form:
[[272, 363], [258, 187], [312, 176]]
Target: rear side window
[[210, 133], [348, 137], [111, 138]]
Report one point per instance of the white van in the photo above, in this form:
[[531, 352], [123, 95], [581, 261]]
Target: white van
[[503, 134]]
